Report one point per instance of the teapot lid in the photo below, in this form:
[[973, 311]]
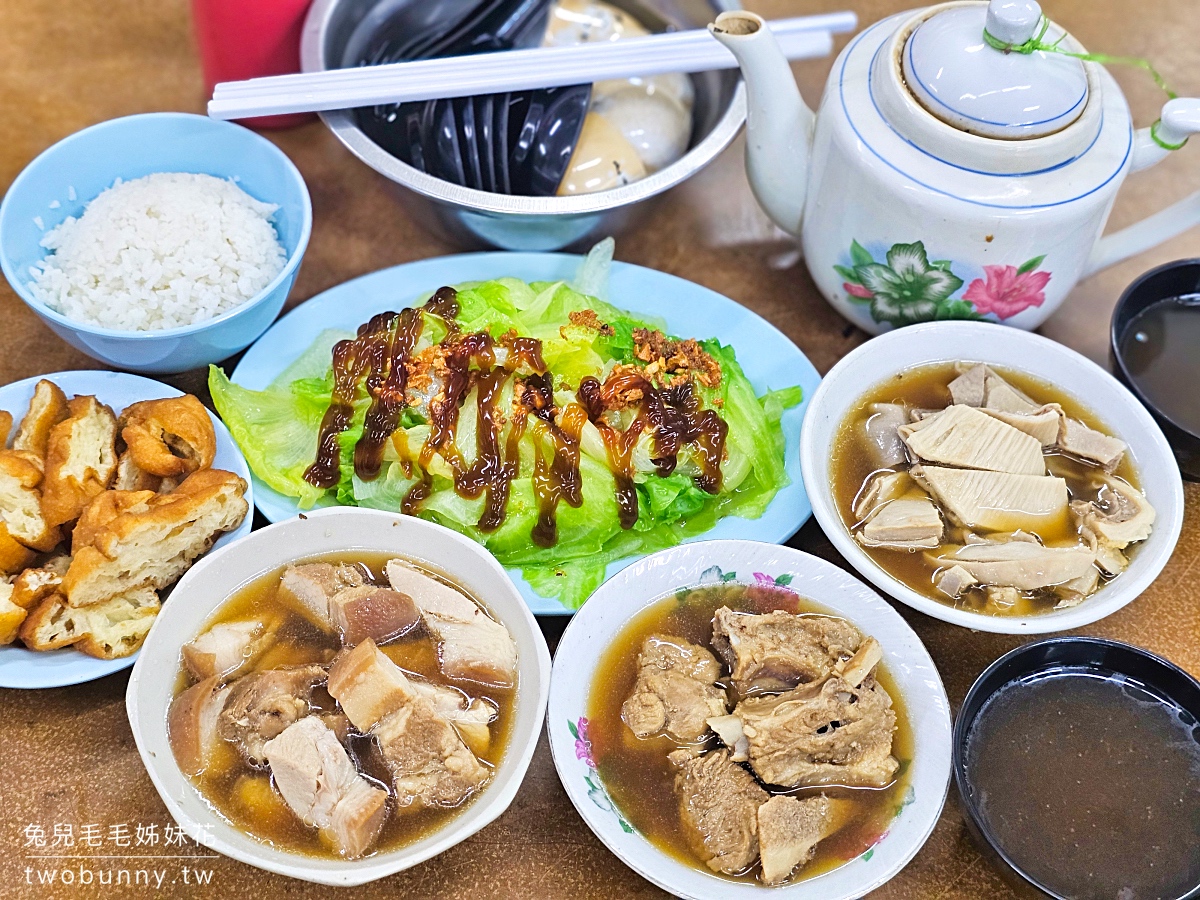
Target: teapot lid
[[966, 81]]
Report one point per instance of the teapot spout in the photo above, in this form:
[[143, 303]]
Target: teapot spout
[[779, 126]]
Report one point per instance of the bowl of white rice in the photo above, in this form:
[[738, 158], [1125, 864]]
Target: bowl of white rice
[[156, 243]]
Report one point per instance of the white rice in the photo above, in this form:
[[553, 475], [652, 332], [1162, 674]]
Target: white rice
[[163, 251]]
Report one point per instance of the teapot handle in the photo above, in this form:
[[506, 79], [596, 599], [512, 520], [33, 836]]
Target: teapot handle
[[1180, 118]]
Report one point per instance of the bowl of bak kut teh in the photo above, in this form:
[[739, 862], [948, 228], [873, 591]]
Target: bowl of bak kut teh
[[990, 477], [736, 719], [340, 696]]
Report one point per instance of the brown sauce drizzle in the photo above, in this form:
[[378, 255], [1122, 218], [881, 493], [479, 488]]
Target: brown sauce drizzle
[[673, 414], [349, 365], [619, 445], [558, 479], [378, 359], [386, 385], [491, 473]]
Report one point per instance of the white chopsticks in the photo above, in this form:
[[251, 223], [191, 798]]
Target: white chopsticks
[[804, 37]]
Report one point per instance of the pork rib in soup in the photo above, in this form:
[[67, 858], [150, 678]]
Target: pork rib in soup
[[987, 490], [742, 729], [321, 712]]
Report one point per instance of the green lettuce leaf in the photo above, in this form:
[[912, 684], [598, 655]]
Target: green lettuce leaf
[[277, 430]]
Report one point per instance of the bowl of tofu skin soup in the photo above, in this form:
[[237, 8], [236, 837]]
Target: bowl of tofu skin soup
[[736, 719], [990, 478], [340, 696]]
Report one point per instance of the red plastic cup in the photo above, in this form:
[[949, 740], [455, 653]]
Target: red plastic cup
[[242, 39]]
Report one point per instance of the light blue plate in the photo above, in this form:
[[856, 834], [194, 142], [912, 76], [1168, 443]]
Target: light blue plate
[[21, 668], [769, 359]]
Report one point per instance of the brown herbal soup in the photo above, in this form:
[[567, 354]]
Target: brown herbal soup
[[925, 390], [640, 779], [246, 796], [1090, 783]]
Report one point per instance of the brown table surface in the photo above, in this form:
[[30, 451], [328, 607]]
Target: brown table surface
[[67, 756]]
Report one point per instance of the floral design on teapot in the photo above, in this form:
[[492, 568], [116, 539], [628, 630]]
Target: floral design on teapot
[[908, 287]]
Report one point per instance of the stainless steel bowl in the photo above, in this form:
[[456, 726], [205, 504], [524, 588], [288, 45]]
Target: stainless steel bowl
[[479, 218]]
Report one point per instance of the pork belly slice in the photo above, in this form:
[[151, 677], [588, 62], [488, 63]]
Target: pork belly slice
[[320, 784], [261, 705], [965, 437], [834, 733], [881, 433], [227, 649], [910, 523], [997, 501], [1042, 424], [778, 650], [1090, 445], [372, 612], [789, 829], [311, 586], [472, 645], [718, 808], [192, 724], [368, 685], [1024, 565], [429, 761], [675, 691]]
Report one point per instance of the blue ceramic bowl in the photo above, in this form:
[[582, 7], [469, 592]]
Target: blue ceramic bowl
[[84, 164]]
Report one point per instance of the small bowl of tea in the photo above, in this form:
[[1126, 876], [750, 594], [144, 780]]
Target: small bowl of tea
[[1156, 352], [1077, 762]]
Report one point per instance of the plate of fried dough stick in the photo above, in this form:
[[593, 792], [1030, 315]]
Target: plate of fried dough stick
[[111, 486]]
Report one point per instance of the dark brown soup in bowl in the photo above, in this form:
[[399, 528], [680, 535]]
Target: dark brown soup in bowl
[[714, 720], [1078, 763]]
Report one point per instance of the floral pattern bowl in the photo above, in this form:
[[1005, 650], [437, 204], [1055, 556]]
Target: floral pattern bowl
[[1075, 375], [783, 569]]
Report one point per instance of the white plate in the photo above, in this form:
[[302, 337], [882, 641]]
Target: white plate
[[769, 359], [21, 668], [659, 575]]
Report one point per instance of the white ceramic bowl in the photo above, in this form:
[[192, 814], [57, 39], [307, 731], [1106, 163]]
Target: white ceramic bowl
[[22, 668], [210, 583], [654, 577], [917, 345]]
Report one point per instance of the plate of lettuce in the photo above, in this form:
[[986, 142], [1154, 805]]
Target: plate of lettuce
[[570, 415]]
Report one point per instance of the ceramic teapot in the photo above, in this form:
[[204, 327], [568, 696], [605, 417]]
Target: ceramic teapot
[[951, 173]]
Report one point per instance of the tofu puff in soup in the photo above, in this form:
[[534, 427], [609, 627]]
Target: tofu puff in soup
[[344, 705], [743, 729], [987, 489]]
